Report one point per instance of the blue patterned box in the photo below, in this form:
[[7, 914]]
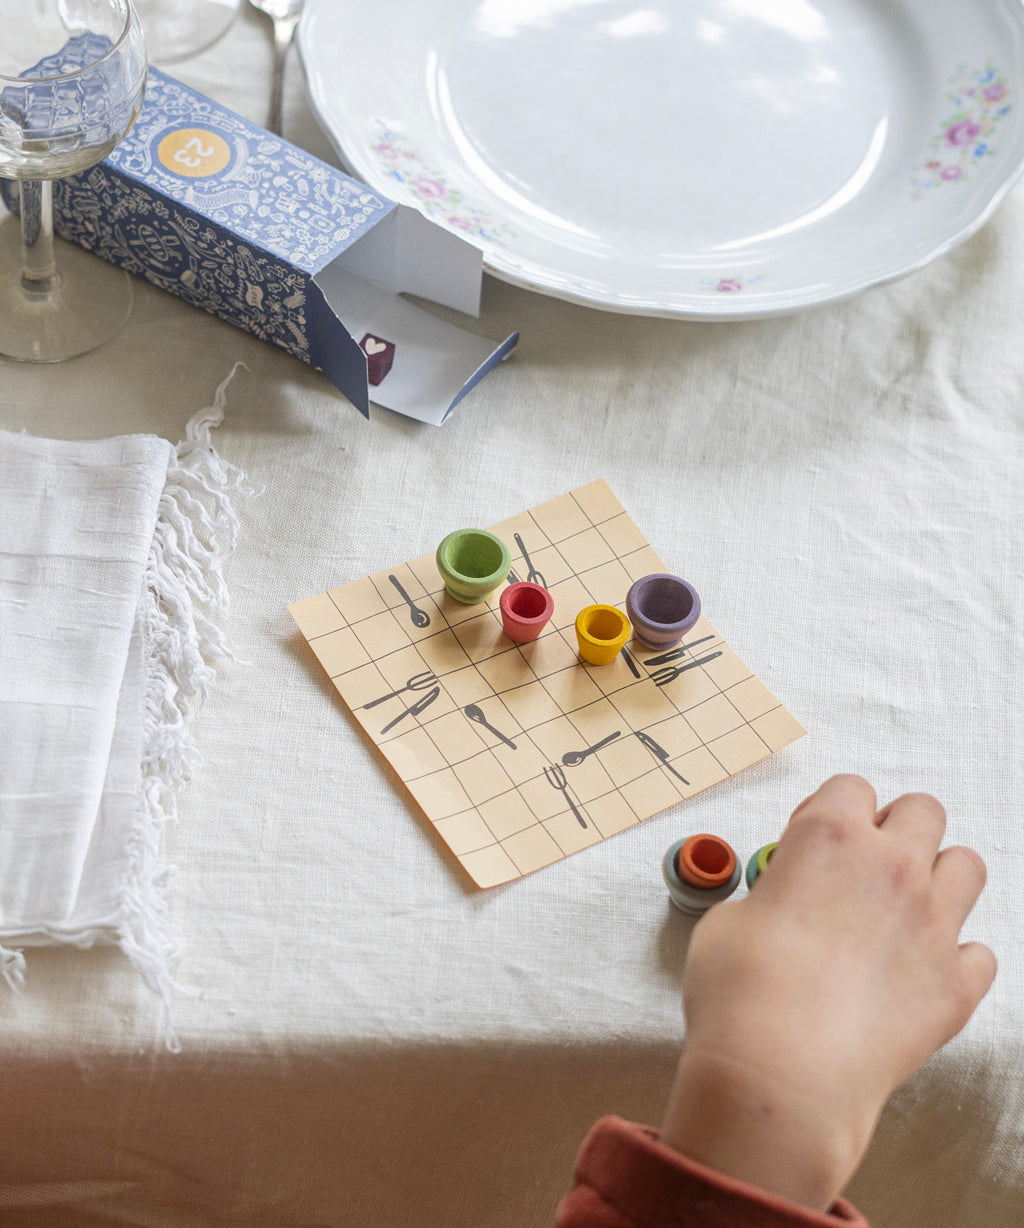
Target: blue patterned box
[[205, 204]]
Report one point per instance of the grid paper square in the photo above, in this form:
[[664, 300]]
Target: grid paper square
[[484, 758]]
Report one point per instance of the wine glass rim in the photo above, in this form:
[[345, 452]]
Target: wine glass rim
[[129, 13]]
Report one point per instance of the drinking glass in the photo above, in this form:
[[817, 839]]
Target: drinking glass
[[177, 29], [72, 77]]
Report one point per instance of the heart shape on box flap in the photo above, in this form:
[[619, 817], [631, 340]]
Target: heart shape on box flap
[[372, 346]]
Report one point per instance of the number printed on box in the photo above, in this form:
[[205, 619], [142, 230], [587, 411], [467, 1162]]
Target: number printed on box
[[194, 152]]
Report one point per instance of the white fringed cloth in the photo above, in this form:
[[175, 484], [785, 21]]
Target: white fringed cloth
[[111, 600]]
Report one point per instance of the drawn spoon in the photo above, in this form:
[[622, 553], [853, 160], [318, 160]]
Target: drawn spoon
[[476, 714], [419, 706], [573, 757], [420, 618]]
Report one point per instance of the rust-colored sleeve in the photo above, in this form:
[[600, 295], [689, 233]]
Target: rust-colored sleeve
[[626, 1178]]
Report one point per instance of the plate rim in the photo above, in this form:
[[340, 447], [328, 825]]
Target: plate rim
[[684, 306]]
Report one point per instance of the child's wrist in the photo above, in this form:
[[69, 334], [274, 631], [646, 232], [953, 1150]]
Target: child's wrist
[[743, 1124]]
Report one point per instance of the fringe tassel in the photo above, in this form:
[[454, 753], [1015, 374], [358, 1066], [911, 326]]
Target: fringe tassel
[[12, 968], [183, 602]]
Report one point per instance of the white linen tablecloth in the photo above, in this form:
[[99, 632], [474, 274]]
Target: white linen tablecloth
[[378, 1044]]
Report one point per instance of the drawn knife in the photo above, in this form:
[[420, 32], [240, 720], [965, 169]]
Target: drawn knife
[[659, 752]]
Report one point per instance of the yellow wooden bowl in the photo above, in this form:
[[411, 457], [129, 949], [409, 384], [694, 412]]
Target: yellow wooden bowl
[[601, 632]]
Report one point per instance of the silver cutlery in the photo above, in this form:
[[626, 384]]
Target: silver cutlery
[[285, 15]]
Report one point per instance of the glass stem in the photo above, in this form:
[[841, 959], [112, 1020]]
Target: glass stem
[[39, 276]]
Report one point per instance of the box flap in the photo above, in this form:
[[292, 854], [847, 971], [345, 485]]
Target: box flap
[[408, 254], [432, 364]]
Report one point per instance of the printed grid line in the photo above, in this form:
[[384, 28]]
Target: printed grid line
[[554, 548], [525, 731]]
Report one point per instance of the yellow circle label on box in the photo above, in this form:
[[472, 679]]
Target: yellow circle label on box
[[194, 152]]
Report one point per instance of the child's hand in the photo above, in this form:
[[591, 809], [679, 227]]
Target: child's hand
[[808, 1002]]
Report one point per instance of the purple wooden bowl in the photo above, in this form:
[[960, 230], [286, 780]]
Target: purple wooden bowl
[[662, 608]]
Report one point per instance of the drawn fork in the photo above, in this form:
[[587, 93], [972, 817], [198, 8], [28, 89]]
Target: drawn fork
[[418, 682], [555, 774], [663, 676], [532, 575]]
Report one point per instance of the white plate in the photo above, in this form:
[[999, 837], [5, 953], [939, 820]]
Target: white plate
[[707, 159]]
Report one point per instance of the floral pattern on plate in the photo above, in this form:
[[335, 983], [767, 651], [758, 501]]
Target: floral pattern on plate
[[980, 99], [441, 201], [730, 285]]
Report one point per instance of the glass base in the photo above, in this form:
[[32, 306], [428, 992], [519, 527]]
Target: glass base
[[90, 305], [177, 29]]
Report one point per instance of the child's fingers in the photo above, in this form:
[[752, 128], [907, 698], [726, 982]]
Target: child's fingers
[[843, 797], [958, 877], [918, 819], [977, 971]]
